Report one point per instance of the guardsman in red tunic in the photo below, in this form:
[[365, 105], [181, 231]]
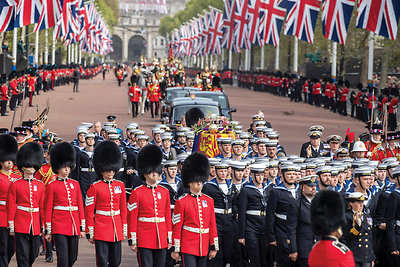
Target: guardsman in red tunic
[[149, 219], [375, 140], [45, 173], [25, 205], [106, 210], [8, 154], [194, 226], [316, 93], [154, 97], [327, 218], [14, 89], [64, 215], [135, 93], [392, 109], [3, 95], [343, 92]]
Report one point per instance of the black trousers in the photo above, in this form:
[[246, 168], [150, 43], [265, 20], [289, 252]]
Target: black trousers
[[151, 257], [67, 249], [190, 260], [3, 107], [256, 247], [224, 255], [75, 87], [108, 254], [392, 122], [6, 246], [135, 107], [13, 102], [282, 255], [26, 249], [155, 105]]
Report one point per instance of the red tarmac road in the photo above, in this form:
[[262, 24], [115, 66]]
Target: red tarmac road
[[97, 98]]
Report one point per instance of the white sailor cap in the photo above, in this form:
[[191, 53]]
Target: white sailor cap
[[81, 130], [316, 128], [257, 168], [143, 137], [362, 171], [323, 169], [90, 135], [238, 165], [239, 142], [214, 161]]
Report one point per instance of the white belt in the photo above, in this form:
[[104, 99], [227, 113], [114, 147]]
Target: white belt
[[66, 208], [256, 212], [398, 223], [223, 211], [196, 230], [28, 209], [2, 202], [87, 169], [281, 216], [108, 213], [172, 206], [151, 219], [121, 170]]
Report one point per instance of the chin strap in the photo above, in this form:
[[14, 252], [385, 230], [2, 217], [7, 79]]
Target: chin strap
[[374, 141]]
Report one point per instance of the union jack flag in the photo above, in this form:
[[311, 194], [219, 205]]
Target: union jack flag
[[7, 9], [301, 18], [49, 14], [253, 18], [379, 16], [68, 23], [241, 27], [336, 15], [228, 26], [205, 26], [272, 14], [27, 12], [215, 32]]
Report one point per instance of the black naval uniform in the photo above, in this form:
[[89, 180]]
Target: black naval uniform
[[300, 216], [393, 226], [314, 153], [225, 210], [87, 175], [359, 238], [252, 205], [280, 201]]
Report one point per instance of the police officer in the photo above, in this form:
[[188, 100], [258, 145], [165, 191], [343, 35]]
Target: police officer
[[280, 200], [252, 204], [224, 194]]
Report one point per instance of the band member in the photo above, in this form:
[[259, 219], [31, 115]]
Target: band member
[[194, 226], [135, 93], [107, 199], [8, 155], [149, 208], [327, 218], [25, 205]]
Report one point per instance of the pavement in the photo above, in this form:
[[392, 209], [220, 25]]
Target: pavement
[[98, 98]]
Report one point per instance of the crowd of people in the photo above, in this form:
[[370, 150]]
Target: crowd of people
[[18, 85]]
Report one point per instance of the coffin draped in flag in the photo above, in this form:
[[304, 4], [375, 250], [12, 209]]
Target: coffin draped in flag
[[49, 15], [336, 15], [272, 14], [27, 12], [379, 16], [7, 9], [215, 31], [301, 18]]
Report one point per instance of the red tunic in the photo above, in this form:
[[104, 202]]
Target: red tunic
[[330, 253], [106, 211], [63, 207], [149, 217], [328, 88], [14, 86], [4, 92], [45, 174], [135, 93], [194, 225], [25, 205], [5, 182], [316, 89], [343, 92], [153, 93], [392, 106], [333, 91]]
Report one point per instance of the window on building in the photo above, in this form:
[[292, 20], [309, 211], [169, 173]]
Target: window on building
[[162, 42]]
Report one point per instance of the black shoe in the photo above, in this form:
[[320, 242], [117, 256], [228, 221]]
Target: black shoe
[[42, 252], [54, 248], [49, 259], [4, 114]]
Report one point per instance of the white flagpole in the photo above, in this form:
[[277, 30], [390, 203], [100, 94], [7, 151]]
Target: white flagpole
[[296, 55], [14, 51], [262, 58], [202, 62], [46, 48], [230, 59], [36, 48], [53, 51], [371, 56], [69, 54], [76, 52], [80, 55], [72, 53], [222, 58], [334, 59], [246, 61], [277, 58]]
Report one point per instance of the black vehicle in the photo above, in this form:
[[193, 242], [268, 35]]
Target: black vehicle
[[172, 93]]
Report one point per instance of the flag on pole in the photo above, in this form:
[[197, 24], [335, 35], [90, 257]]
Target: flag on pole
[[379, 16], [336, 15], [272, 14], [68, 23], [228, 25], [27, 12], [301, 18], [253, 18], [215, 32], [241, 27], [49, 15], [7, 9]]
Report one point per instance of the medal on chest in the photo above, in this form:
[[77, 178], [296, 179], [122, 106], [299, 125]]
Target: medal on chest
[[117, 189], [204, 204]]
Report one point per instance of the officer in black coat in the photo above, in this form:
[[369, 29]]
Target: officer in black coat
[[252, 205], [315, 147], [281, 199], [224, 194], [357, 231], [393, 222], [300, 216]]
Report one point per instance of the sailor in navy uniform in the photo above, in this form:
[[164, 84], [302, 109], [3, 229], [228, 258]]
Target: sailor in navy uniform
[[111, 118], [79, 142], [189, 142], [324, 176], [315, 147], [213, 162], [130, 130], [237, 174], [142, 141], [169, 153], [334, 144], [225, 148], [157, 132], [261, 148], [282, 198], [180, 144], [252, 205], [224, 194], [87, 175], [301, 217]]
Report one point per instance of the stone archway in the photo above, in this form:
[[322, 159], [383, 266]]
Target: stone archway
[[136, 48], [116, 55]]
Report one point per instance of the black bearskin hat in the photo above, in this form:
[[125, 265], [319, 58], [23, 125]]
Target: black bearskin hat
[[192, 116], [327, 213], [216, 81], [62, 155], [107, 157], [8, 148], [30, 155], [149, 160], [195, 168], [346, 83]]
